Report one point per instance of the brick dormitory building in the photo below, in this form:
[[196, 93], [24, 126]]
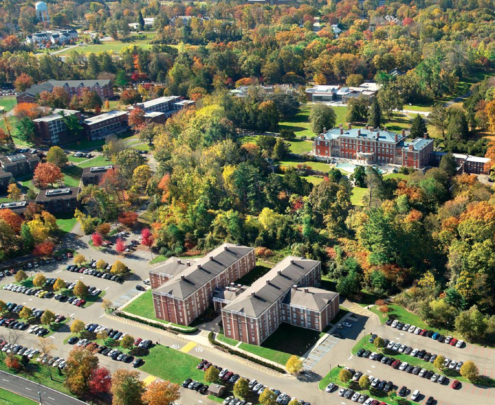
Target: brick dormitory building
[[184, 289]]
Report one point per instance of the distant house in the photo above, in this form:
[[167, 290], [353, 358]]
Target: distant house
[[93, 175], [55, 37], [51, 130], [60, 200], [100, 126], [148, 23], [73, 87], [19, 164], [334, 93]]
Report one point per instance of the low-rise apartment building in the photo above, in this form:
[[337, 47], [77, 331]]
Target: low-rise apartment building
[[5, 179], [60, 200], [167, 105], [103, 87], [184, 289], [285, 294], [19, 164], [18, 207], [335, 93], [51, 130], [371, 146], [465, 163], [93, 175], [100, 126]]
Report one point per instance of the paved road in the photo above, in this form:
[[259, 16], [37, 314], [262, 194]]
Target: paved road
[[305, 387], [32, 390]]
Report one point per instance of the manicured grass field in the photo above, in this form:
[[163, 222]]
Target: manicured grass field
[[300, 147], [319, 166], [225, 339], [314, 179], [357, 196], [172, 365], [108, 46], [9, 398], [97, 161], [143, 306], [8, 102], [76, 160], [66, 222], [400, 176]]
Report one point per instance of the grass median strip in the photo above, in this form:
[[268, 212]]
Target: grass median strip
[[9, 398]]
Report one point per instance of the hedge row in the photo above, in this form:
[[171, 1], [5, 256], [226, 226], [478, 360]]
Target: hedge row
[[156, 325], [215, 342]]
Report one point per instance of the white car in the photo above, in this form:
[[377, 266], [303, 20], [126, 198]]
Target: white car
[[414, 352], [403, 366], [418, 329], [342, 392], [459, 343], [446, 362], [415, 395], [412, 328], [453, 365], [373, 356], [390, 345], [459, 365], [355, 397], [402, 348], [406, 327], [394, 323], [448, 339], [369, 401]]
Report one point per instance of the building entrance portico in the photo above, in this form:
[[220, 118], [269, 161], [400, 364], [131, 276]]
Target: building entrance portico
[[365, 158]]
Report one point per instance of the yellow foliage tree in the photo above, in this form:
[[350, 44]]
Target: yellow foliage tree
[[294, 365]]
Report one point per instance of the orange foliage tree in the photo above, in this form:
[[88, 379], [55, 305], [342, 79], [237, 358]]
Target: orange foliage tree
[[136, 118], [47, 173], [23, 82], [128, 218], [44, 249], [12, 219], [27, 110]]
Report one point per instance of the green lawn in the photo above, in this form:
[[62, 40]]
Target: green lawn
[[72, 175], [400, 176], [358, 194], [333, 376], [111, 46], [172, 365], [76, 160], [9, 398], [142, 146], [225, 339], [66, 222], [97, 161], [300, 123], [8, 103], [314, 179], [300, 147], [319, 166]]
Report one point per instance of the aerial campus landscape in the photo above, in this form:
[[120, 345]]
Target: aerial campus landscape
[[253, 202]]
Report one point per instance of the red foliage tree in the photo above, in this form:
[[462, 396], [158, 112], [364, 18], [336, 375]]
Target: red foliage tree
[[23, 82], [136, 118], [10, 43], [47, 173], [128, 218], [14, 220], [100, 381], [97, 239], [146, 238], [12, 363], [44, 249], [119, 245], [130, 96]]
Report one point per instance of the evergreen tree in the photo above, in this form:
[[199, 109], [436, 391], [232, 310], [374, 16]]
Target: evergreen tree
[[457, 128], [27, 237], [448, 164], [418, 127], [375, 114], [140, 21]]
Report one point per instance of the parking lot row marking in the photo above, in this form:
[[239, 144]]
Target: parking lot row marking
[[107, 288], [148, 380]]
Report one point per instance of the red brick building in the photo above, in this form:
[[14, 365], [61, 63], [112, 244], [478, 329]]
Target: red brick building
[[285, 294], [184, 289], [103, 87], [51, 130], [371, 146], [100, 126], [465, 163]]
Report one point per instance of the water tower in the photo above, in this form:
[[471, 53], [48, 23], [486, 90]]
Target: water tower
[[42, 11]]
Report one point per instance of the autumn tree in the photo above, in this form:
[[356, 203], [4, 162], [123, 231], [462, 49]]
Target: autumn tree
[[100, 381], [39, 280], [12, 219], [241, 388], [438, 362], [47, 174], [120, 246], [130, 96], [136, 118], [90, 100], [127, 388], [294, 365], [97, 239], [14, 192], [101, 264], [81, 364], [470, 371], [77, 326], [127, 342], [128, 218], [118, 268], [322, 117], [59, 284], [20, 276], [79, 259], [364, 382], [80, 289], [26, 313], [104, 229], [57, 156], [345, 375], [47, 318], [141, 176], [161, 393], [44, 249], [23, 82], [268, 397], [3, 307], [211, 375], [127, 161]]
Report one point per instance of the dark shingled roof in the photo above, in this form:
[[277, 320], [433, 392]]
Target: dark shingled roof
[[272, 286], [311, 298], [203, 270], [50, 84]]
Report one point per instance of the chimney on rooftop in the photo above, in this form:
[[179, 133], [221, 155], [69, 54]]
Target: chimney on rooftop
[[425, 135], [349, 126], [226, 248], [291, 261], [253, 293], [199, 266], [279, 271], [183, 277], [211, 257], [179, 261], [359, 132], [341, 130], [306, 290], [403, 132], [268, 282], [188, 263], [294, 287], [396, 138]]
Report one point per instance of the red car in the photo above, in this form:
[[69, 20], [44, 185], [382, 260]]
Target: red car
[[69, 255], [138, 340], [453, 342], [206, 366], [396, 364], [455, 384], [227, 376], [423, 332]]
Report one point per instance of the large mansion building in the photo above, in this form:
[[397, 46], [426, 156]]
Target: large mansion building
[[371, 146]]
